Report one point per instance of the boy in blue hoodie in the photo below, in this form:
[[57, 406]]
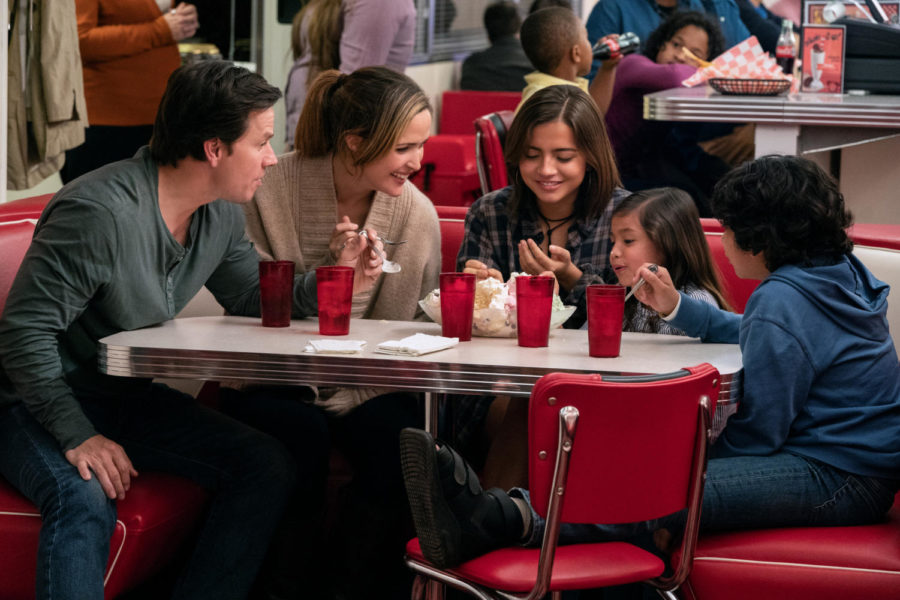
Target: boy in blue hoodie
[[815, 439]]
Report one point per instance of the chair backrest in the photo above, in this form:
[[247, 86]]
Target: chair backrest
[[17, 221], [452, 220], [460, 107], [490, 136], [637, 450], [15, 237], [737, 290]]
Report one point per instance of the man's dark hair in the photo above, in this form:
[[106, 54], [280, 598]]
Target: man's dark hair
[[206, 100], [682, 18], [539, 4], [547, 35], [786, 207], [501, 19]]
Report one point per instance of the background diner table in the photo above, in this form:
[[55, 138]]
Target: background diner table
[[239, 348], [787, 124]]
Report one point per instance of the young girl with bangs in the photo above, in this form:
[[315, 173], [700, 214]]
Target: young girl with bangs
[[661, 226]]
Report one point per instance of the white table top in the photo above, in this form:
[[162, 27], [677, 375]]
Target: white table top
[[239, 348]]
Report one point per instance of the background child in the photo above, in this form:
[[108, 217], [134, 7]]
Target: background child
[[661, 226], [653, 154], [556, 43]]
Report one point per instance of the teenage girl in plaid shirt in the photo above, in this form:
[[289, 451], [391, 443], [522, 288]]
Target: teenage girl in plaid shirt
[[556, 215]]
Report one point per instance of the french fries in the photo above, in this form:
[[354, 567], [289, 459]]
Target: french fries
[[692, 59]]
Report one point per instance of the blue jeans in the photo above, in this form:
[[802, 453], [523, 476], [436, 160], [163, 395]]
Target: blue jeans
[[249, 474], [755, 492]]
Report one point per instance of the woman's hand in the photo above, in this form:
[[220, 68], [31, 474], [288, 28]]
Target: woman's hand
[[345, 244], [658, 291], [481, 270], [368, 263], [533, 261], [182, 21]]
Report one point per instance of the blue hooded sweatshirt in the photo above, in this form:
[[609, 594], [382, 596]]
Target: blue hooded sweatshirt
[[821, 375]]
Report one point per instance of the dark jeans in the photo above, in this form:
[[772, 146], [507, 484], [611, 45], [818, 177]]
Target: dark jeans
[[757, 492], [373, 522], [161, 429]]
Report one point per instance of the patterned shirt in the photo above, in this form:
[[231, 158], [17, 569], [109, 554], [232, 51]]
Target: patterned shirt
[[492, 237]]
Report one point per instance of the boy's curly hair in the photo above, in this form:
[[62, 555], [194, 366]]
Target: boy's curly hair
[[785, 207]]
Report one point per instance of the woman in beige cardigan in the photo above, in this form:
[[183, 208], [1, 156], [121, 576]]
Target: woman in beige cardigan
[[359, 138]]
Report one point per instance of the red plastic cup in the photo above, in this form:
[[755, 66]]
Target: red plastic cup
[[605, 311], [457, 305], [534, 303], [334, 288], [276, 292]]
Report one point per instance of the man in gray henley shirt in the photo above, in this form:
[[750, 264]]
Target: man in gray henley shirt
[[124, 247]]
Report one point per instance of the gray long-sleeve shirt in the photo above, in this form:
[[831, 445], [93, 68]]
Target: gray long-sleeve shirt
[[102, 261]]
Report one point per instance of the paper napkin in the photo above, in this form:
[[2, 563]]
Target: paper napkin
[[416, 345], [325, 346]]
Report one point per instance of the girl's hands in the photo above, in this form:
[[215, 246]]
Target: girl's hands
[[481, 270], [658, 291], [534, 261]]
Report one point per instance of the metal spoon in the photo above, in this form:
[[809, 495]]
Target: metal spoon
[[388, 266], [389, 242], [652, 268]]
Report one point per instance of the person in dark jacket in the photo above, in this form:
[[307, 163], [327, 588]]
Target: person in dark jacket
[[503, 66]]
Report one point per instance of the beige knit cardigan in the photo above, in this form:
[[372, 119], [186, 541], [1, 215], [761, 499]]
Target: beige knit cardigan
[[293, 214]]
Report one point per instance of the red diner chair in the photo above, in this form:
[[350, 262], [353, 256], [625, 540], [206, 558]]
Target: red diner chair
[[490, 135], [158, 514], [640, 454]]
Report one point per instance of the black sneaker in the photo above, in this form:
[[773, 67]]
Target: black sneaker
[[455, 519]]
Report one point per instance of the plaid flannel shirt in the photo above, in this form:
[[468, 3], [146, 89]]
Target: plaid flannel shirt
[[491, 236]]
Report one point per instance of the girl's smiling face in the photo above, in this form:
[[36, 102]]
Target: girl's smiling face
[[631, 247], [553, 167]]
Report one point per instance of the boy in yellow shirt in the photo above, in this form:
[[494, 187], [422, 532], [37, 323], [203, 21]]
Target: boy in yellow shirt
[[556, 42]]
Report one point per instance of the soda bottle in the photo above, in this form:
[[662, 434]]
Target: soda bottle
[[628, 42], [786, 48]]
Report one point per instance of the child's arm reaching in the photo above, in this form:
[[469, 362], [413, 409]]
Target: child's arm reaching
[[601, 87], [695, 317]]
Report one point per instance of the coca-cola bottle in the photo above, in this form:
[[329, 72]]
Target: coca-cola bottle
[[627, 43], [786, 48]]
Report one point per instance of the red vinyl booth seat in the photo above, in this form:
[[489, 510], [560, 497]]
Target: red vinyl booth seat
[[157, 515], [800, 563]]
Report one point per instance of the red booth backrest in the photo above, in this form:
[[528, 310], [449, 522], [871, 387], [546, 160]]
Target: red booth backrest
[[460, 108], [452, 220]]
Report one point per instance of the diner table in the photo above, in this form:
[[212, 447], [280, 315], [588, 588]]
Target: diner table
[[786, 124], [239, 348]]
